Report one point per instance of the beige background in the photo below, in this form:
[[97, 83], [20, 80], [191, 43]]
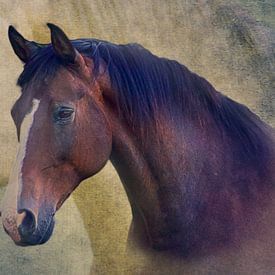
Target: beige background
[[231, 43]]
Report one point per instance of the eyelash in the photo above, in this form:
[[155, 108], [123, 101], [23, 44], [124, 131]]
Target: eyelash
[[63, 115]]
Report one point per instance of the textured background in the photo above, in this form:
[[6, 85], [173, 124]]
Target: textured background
[[230, 43]]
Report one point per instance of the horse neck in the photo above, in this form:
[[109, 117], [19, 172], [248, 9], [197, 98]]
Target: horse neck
[[193, 179], [134, 172]]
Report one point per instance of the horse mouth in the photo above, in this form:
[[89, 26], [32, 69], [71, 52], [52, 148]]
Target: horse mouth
[[40, 236]]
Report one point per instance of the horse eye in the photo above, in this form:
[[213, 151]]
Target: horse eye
[[63, 114]]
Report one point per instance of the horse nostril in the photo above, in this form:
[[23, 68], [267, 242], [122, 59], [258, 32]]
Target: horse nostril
[[26, 223]]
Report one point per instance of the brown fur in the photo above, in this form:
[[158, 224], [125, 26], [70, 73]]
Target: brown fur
[[192, 190]]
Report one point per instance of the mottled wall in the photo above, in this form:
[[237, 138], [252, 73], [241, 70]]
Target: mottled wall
[[231, 43]]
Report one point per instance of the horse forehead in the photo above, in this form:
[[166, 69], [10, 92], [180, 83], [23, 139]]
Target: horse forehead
[[65, 84], [29, 116], [23, 110]]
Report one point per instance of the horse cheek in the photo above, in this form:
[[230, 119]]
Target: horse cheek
[[92, 146]]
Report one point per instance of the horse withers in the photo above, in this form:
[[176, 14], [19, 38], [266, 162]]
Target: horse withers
[[197, 167]]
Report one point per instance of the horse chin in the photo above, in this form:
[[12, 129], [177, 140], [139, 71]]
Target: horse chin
[[38, 238], [48, 233]]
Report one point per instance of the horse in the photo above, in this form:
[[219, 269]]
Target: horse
[[197, 167]]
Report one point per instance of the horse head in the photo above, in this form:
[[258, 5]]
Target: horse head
[[64, 136]]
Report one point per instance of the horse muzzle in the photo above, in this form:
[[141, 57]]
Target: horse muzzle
[[25, 229]]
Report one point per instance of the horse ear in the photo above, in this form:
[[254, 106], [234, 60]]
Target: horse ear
[[62, 46], [22, 47]]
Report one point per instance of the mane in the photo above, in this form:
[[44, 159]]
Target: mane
[[146, 83]]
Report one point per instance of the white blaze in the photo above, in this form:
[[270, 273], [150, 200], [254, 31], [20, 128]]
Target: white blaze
[[9, 204]]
